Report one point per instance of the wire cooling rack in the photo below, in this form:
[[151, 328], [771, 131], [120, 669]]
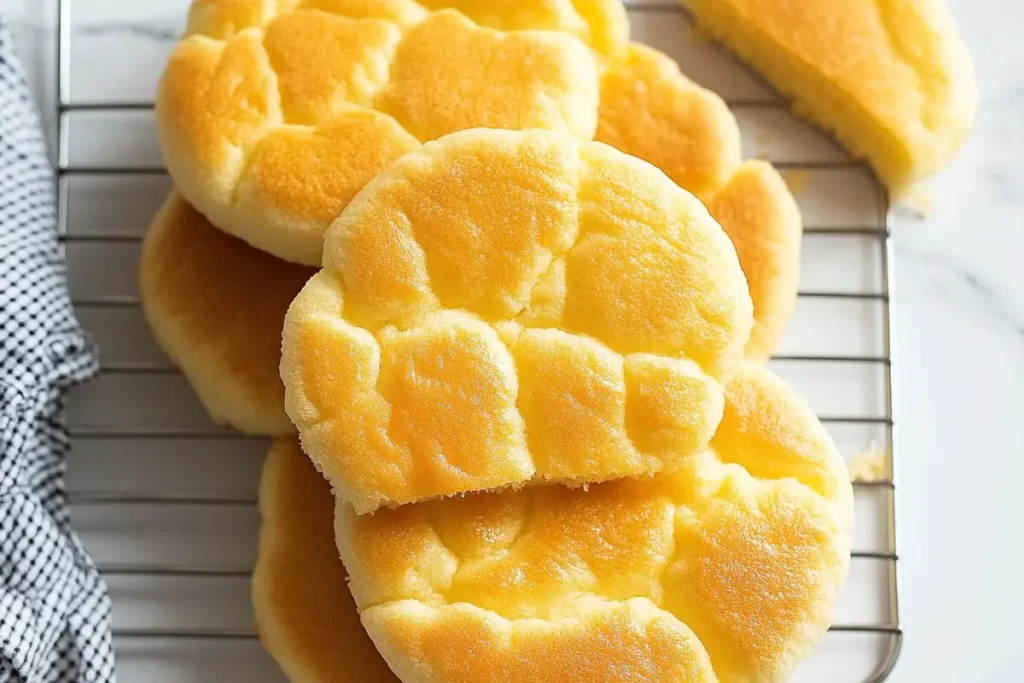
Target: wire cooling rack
[[165, 500]]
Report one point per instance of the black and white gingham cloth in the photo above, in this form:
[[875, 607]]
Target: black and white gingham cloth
[[54, 608]]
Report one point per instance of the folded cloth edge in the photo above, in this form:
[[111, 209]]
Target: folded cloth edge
[[54, 606]]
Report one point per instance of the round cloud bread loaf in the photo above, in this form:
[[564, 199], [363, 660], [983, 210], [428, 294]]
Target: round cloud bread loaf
[[499, 307], [216, 306], [272, 116], [725, 570]]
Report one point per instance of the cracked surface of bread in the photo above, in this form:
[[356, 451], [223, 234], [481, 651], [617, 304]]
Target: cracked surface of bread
[[305, 614], [216, 306], [725, 570], [601, 24], [307, 618], [499, 307], [752, 207], [273, 115], [891, 78], [651, 110], [300, 177]]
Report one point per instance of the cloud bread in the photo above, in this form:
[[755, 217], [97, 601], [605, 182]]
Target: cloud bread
[[601, 24], [651, 110], [272, 116], [756, 211], [305, 614], [216, 306], [725, 570], [504, 306], [891, 78]]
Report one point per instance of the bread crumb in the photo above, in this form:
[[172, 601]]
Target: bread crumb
[[870, 465], [917, 201]]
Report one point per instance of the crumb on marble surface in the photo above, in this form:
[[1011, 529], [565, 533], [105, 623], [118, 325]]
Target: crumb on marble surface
[[918, 202], [869, 465]]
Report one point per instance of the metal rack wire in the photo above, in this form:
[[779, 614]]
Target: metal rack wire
[[890, 628]]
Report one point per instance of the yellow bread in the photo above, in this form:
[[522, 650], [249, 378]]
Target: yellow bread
[[501, 306], [272, 116], [304, 611], [601, 24], [748, 199], [651, 110], [300, 178], [891, 78], [725, 570], [216, 306], [757, 211]]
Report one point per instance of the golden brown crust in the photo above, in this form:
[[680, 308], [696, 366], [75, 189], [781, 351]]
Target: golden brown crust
[[603, 641], [308, 620], [313, 173], [891, 78], [416, 364], [254, 80], [728, 567], [601, 24], [298, 179], [448, 75], [216, 306], [651, 110], [757, 211], [305, 614]]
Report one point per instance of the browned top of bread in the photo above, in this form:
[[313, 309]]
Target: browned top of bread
[[216, 306], [273, 115], [651, 110], [305, 614], [505, 306], [726, 570], [757, 211]]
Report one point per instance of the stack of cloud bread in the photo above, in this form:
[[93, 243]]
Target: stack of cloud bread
[[234, 115], [513, 309], [549, 458]]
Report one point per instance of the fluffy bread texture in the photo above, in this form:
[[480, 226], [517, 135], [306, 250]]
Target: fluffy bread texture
[[651, 110], [601, 24], [891, 78], [725, 570], [273, 115], [644, 98], [500, 307], [216, 306], [305, 614], [278, 160]]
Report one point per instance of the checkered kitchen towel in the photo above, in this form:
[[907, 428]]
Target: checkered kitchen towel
[[54, 609]]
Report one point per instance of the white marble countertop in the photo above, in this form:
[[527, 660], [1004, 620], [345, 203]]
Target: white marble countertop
[[959, 368]]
